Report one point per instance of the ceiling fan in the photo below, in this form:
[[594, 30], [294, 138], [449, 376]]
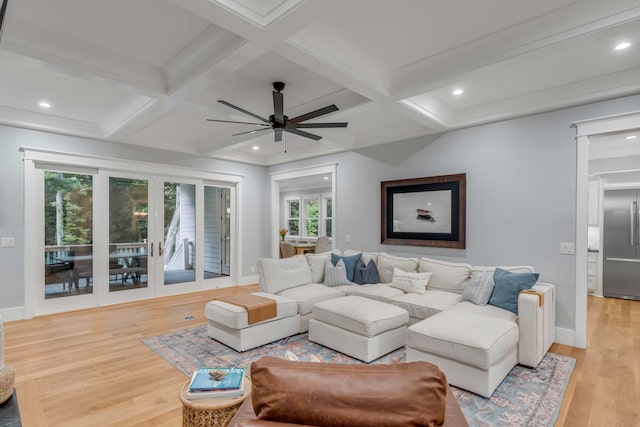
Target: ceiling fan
[[281, 123]]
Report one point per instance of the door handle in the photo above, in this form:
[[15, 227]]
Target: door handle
[[632, 215], [151, 249], [160, 251]]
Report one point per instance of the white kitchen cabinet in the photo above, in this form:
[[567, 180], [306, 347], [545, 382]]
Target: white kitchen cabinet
[[592, 271], [593, 203]]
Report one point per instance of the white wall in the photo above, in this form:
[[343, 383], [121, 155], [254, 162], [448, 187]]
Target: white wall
[[255, 196], [521, 191]]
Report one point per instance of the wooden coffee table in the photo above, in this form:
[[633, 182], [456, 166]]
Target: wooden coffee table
[[210, 412]]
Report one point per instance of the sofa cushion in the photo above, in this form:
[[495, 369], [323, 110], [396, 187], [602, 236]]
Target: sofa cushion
[[508, 286], [381, 292], [485, 310], [235, 317], [466, 337], [276, 275], [335, 275], [349, 262], [412, 394], [366, 274], [317, 263], [308, 295], [387, 262], [362, 316], [366, 256], [410, 282], [479, 288], [422, 306], [447, 276]]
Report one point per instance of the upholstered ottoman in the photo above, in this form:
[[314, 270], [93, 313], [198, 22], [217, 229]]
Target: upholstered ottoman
[[360, 327], [476, 352], [229, 323]]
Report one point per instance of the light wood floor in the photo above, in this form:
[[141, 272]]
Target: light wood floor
[[89, 368]]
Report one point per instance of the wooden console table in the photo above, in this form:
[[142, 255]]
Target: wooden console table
[[211, 412]]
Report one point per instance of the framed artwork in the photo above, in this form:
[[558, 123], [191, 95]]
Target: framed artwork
[[427, 211]]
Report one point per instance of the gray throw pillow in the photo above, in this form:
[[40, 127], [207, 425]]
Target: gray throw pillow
[[335, 275], [479, 288], [366, 274]]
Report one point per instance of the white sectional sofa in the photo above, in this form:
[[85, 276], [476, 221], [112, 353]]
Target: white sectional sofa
[[475, 345]]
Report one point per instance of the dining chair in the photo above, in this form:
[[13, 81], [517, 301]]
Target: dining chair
[[322, 245], [287, 250]]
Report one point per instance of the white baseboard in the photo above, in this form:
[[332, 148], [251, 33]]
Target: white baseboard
[[566, 336], [11, 314]]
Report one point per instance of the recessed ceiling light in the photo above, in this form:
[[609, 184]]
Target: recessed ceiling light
[[631, 137], [44, 104], [326, 177], [623, 45], [458, 92], [255, 147]]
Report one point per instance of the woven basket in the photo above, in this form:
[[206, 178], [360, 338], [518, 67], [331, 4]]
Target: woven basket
[[7, 377]]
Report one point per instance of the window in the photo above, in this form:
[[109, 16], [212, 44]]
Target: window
[[308, 215], [293, 216]]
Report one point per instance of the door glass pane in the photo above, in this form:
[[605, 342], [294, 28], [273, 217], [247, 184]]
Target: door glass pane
[[68, 231], [179, 233], [311, 217], [217, 232], [328, 222], [128, 212]]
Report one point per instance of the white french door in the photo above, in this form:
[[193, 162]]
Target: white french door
[[110, 236]]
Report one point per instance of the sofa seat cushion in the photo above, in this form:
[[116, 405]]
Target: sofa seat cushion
[[362, 316], [236, 317], [276, 275], [308, 295], [422, 306], [466, 337], [485, 310], [380, 292]]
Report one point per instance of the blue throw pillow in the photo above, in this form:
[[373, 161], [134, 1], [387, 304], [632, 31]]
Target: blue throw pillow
[[366, 274], [349, 262], [508, 286]]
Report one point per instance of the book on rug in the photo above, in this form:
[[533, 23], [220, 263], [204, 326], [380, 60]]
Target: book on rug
[[204, 384]]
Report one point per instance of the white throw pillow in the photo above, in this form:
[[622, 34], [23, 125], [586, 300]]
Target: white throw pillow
[[479, 288], [410, 282], [335, 275], [386, 264]]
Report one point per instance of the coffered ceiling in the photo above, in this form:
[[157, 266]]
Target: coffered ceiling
[[149, 72]]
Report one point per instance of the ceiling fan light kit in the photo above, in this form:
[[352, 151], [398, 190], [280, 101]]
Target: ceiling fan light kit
[[280, 123]]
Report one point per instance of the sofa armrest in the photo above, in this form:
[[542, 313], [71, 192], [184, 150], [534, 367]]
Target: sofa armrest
[[536, 322]]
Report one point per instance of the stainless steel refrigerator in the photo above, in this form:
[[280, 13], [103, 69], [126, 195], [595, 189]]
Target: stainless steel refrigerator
[[621, 250]]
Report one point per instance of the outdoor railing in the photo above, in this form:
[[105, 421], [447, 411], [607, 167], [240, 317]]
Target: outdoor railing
[[53, 254]]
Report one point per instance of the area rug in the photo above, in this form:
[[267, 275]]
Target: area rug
[[527, 397]]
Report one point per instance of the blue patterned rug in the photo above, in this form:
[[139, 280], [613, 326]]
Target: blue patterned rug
[[527, 397]]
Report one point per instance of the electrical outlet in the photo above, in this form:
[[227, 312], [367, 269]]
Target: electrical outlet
[[253, 268], [348, 239], [8, 242], [567, 248]]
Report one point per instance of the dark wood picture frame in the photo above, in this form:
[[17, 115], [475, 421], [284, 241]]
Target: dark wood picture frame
[[444, 226]]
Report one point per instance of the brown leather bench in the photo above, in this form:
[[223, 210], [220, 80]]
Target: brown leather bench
[[288, 393]]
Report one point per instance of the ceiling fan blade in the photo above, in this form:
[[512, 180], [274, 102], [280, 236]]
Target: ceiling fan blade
[[232, 121], [321, 125], [278, 106], [250, 131], [314, 114], [278, 134], [242, 110], [303, 133]]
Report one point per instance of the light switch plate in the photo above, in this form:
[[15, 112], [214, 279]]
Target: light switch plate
[[8, 242], [567, 248]]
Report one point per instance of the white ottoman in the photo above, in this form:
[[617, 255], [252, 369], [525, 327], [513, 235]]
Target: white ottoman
[[359, 327], [474, 351], [229, 324]]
